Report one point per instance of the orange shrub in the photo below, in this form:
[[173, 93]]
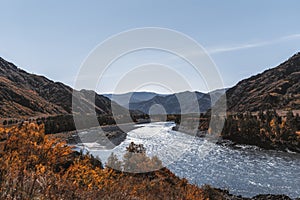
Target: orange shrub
[[35, 166]]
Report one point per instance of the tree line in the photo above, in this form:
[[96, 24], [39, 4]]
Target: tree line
[[65, 123], [266, 129]]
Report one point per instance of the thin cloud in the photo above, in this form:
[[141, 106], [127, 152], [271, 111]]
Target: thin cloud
[[291, 37], [216, 50]]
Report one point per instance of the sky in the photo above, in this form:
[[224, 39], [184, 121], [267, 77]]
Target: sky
[[54, 38]]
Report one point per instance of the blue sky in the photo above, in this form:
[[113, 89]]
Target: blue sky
[[243, 38]]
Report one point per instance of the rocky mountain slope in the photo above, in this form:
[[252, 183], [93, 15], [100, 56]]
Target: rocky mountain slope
[[276, 88], [25, 95]]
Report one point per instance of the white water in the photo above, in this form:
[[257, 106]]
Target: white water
[[247, 171]]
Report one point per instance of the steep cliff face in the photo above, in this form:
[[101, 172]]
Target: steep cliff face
[[23, 94], [276, 88]]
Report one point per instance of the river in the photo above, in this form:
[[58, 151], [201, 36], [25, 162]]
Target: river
[[246, 171]]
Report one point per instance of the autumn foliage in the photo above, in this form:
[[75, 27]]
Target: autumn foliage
[[35, 166], [266, 129]]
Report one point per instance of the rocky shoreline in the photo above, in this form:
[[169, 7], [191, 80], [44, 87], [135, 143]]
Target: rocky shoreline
[[224, 194], [261, 143], [235, 142]]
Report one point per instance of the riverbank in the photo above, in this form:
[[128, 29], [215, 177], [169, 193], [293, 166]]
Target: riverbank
[[115, 134], [243, 171], [233, 140], [267, 130], [213, 193], [220, 194]]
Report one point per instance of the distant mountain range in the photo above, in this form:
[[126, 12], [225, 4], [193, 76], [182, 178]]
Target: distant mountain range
[[276, 88], [132, 97], [25, 95], [174, 103], [144, 101]]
